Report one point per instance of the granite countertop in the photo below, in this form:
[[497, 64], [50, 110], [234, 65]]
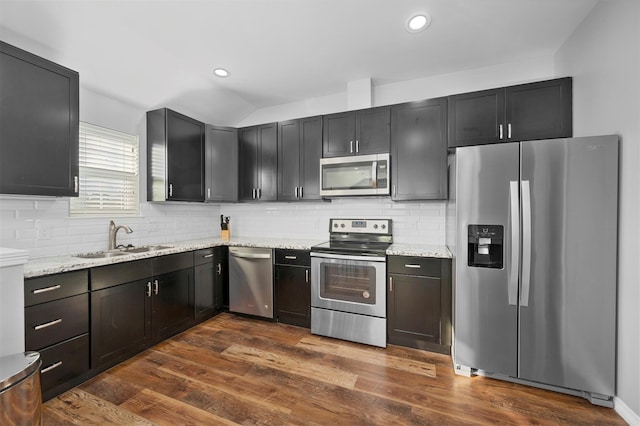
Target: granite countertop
[[57, 264]]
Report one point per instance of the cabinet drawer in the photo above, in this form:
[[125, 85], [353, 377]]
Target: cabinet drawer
[[293, 257], [52, 287], [120, 273], [55, 321], [414, 265], [203, 256], [171, 263], [64, 361]]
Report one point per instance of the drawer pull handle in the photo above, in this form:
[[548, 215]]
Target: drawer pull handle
[[306, 276], [412, 265], [47, 324], [207, 256], [51, 367], [291, 257], [149, 289], [46, 289]]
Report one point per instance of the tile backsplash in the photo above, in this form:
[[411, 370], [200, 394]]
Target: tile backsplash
[[42, 225]]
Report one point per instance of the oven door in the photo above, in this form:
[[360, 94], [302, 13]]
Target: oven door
[[347, 283]]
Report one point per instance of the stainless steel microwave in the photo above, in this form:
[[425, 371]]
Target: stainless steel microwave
[[355, 175]]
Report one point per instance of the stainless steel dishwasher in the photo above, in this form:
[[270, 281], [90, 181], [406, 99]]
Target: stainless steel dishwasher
[[251, 281]]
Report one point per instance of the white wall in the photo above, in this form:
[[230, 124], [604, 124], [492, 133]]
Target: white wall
[[603, 56]]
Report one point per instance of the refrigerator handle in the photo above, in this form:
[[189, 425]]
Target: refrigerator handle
[[526, 243], [512, 288]]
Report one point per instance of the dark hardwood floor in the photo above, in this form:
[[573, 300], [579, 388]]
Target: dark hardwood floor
[[235, 370]]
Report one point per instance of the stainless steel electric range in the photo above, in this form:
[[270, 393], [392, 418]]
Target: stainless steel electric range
[[348, 291]]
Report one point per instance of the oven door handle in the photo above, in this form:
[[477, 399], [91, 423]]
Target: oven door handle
[[349, 257]]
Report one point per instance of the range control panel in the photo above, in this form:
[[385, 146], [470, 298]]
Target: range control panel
[[363, 226]]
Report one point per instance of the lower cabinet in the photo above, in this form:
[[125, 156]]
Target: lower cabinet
[[419, 303], [209, 273], [57, 326], [292, 287]]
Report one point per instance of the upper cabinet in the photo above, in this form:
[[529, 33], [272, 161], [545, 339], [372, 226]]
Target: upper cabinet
[[258, 147], [366, 131], [299, 153], [38, 125], [221, 164], [175, 157], [419, 150], [540, 110]]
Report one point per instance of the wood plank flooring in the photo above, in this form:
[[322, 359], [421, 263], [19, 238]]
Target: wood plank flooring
[[236, 370]]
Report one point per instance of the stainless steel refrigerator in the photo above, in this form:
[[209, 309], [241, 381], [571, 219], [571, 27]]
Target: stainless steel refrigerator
[[535, 263]]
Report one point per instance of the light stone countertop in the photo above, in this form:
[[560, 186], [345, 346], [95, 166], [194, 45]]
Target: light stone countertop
[[58, 264]]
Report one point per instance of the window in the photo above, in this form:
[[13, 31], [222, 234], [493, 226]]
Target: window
[[108, 173]]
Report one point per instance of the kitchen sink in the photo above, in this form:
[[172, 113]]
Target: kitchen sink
[[121, 252]]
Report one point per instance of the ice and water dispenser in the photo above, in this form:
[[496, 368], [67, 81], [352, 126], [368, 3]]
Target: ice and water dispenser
[[485, 243]]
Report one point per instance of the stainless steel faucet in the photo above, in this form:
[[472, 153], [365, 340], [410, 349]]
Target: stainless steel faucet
[[113, 232]]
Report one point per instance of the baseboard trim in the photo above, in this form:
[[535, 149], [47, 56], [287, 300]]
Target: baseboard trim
[[625, 412]]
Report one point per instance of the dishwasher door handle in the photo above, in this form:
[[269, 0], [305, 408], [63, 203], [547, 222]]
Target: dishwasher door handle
[[250, 255]]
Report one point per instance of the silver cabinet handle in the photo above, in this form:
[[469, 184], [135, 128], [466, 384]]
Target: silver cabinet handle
[[394, 191], [306, 276], [351, 147], [253, 194], [219, 269], [46, 289], [51, 367], [357, 146], [47, 324], [412, 265], [301, 196], [170, 190], [512, 288], [509, 131], [390, 283], [296, 191], [526, 243], [501, 131], [207, 256], [208, 193], [76, 185], [149, 289], [291, 257], [259, 193], [155, 287]]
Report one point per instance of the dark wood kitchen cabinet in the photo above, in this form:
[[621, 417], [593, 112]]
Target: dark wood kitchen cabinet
[[419, 303], [57, 326], [221, 164], [175, 157], [541, 110], [209, 273], [419, 150], [38, 125], [292, 287], [258, 165], [360, 132], [137, 304], [299, 153]]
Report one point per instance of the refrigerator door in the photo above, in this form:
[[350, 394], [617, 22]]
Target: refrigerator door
[[486, 295], [568, 297]]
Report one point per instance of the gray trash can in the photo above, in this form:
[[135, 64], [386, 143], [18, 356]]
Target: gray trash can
[[20, 393]]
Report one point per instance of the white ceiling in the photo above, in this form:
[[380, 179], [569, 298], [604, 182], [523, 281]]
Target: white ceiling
[[158, 53]]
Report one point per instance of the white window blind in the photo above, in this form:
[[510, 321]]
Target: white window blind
[[108, 173]]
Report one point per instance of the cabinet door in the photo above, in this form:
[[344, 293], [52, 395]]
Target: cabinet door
[[476, 118], [172, 303], [419, 150], [539, 110], [310, 154], [289, 160], [413, 309], [204, 289], [293, 295], [248, 163], [185, 158], [120, 322], [38, 125], [221, 167], [220, 264], [268, 175], [373, 131], [339, 134]]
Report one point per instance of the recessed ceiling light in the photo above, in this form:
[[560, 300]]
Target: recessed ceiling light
[[418, 23], [221, 72]]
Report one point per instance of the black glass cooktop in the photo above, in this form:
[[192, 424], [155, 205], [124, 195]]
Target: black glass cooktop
[[352, 247]]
